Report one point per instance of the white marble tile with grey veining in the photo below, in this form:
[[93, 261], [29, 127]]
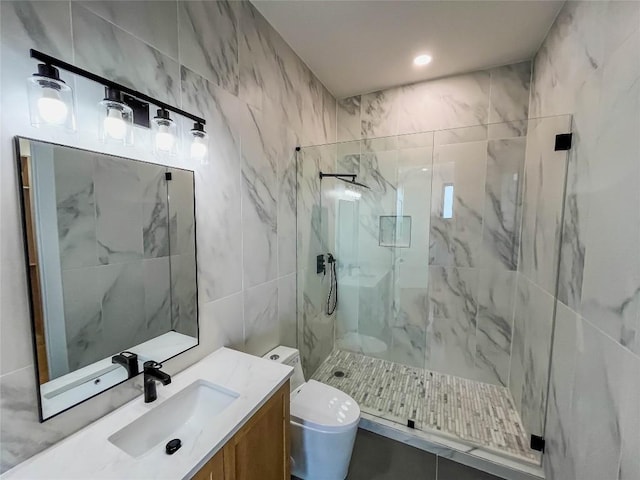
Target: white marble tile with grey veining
[[496, 289], [255, 52], [287, 206], [509, 99], [119, 225], [261, 326], [456, 234], [312, 215], [221, 323], [154, 22], [316, 329], [209, 41], [543, 193], [534, 309], [330, 116], [516, 365], [83, 322], [451, 335], [379, 112], [502, 203], [447, 136], [16, 340], [452, 102], [21, 431], [409, 327], [559, 460], [572, 247], [157, 295], [597, 441], [76, 207], [45, 26], [260, 155], [220, 256], [578, 36], [155, 210], [349, 126], [611, 277], [123, 314], [287, 315], [181, 205], [184, 298], [106, 50]]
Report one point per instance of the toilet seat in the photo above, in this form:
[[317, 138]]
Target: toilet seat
[[323, 407]]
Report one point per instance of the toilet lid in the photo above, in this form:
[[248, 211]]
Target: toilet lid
[[321, 406]]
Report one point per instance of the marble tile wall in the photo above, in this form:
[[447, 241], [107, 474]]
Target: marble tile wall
[[457, 272], [589, 66], [113, 229], [260, 101], [454, 288], [497, 95], [314, 236], [538, 248]]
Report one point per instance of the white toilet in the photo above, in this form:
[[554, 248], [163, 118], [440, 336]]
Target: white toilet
[[324, 422]]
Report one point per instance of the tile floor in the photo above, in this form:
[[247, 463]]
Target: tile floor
[[480, 414]]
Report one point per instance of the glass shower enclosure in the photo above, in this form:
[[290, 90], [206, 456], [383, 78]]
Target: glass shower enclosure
[[446, 266]]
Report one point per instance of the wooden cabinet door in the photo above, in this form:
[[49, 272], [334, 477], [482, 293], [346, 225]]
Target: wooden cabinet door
[[260, 450], [213, 469]]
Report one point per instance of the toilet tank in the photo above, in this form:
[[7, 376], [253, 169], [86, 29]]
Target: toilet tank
[[288, 356]]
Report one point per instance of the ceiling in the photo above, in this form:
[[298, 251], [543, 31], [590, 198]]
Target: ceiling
[[362, 46]]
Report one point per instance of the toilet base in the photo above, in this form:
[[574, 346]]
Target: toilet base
[[318, 455]]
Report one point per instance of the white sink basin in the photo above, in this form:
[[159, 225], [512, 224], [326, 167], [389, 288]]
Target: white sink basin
[[185, 416]]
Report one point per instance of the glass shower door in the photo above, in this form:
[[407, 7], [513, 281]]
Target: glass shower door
[[315, 220], [447, 269]]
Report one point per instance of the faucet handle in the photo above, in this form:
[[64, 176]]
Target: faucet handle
[[152, 365], [129, 361]]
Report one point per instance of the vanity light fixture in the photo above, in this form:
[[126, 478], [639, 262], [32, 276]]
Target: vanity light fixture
[[116, 123], [50, 99], [199, 143], [51, 103], [422, 60], [164, 132]]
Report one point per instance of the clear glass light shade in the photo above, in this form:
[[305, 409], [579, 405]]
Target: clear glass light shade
[[50, 103], [199, 146], [164, 136], [115, 122]]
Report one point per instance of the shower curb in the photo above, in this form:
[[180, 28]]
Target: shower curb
[[452, 450]]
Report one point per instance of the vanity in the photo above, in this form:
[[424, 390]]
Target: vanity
[[230, 412]]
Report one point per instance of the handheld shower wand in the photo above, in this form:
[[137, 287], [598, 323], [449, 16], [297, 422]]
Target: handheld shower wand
[[333, 289]]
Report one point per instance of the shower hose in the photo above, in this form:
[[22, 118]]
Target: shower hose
[[333, 289]]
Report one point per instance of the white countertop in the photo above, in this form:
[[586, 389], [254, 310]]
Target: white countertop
[[89, 454]]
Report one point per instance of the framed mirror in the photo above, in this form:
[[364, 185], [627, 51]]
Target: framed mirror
[[111, 264]]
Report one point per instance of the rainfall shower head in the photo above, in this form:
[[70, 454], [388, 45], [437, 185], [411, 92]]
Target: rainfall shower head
[[343, 177]]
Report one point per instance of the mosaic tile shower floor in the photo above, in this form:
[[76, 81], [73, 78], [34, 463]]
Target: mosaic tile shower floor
[[477, 413]]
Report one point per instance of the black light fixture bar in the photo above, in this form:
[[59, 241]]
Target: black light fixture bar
[[49, 60]]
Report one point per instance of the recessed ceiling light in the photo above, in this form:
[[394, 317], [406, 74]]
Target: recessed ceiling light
[[422, 60]]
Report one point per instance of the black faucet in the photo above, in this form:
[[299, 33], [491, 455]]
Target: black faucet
[[153, 374], [129, 361]]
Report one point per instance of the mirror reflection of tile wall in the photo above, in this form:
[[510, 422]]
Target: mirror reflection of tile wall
[[183, 253], [116, 230]]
